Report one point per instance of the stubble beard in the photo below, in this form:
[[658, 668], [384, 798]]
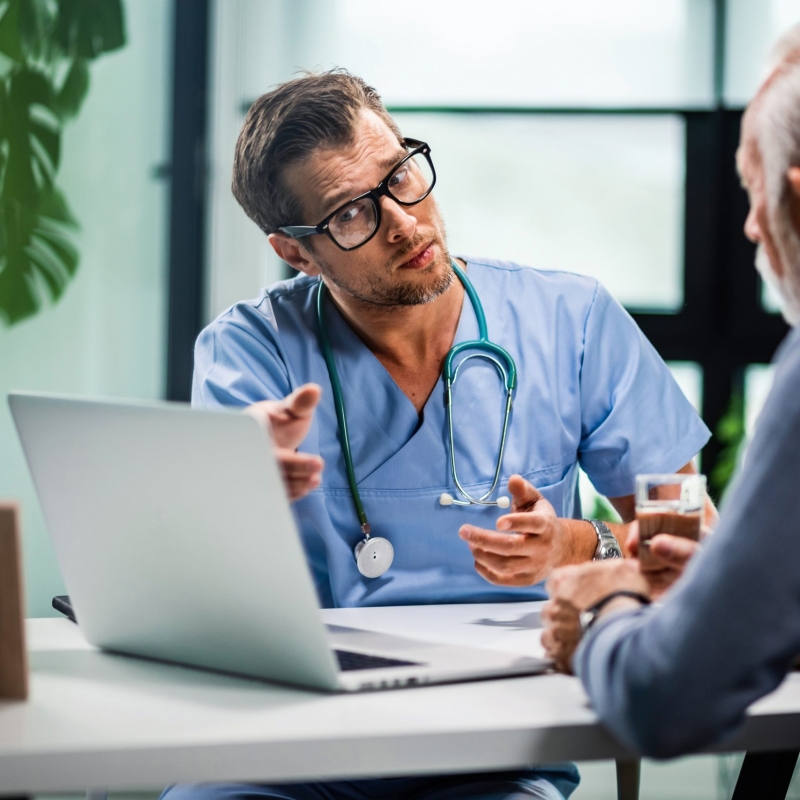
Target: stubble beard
[[379, 288]]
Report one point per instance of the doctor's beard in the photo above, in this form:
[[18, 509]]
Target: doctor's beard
[[789, 304], [383, 287]]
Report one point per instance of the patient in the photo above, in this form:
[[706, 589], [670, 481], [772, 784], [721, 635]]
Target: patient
[[672, 678]]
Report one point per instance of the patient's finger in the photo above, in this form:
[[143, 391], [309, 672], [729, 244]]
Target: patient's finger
[[673, 550]]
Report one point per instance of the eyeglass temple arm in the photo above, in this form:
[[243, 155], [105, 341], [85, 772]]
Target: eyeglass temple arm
[[299, 231]]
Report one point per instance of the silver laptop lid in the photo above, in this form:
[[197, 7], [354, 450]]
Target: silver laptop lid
[[170, 527]]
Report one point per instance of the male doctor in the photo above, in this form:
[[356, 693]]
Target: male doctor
[[323, 170]]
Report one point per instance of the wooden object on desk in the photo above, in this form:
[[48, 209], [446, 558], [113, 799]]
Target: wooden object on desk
[[13, 656]]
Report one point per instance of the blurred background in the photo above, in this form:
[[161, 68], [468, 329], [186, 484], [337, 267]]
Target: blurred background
[[579, 135]]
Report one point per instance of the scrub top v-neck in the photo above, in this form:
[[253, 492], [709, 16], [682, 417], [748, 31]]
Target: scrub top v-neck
[[591, 391]]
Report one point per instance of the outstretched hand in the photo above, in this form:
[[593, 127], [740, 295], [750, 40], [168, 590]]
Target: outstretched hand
[[288, 422], [527, 544]]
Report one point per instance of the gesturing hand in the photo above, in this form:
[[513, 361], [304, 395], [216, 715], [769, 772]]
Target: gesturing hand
[[528, 554], [288, 421]]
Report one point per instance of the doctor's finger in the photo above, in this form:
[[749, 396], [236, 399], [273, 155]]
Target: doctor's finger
[[502, 565], [300, 487], [521, 579], [526, 522], [301, 402], [523, 493], [294, 463], [508, 544]]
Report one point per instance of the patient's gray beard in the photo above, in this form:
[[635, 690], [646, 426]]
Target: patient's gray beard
[[790, 307]]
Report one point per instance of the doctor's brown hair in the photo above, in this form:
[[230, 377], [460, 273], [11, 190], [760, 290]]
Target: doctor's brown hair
[[284, 127]]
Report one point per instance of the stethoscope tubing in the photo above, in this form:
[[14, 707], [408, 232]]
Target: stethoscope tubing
[[481, 348]]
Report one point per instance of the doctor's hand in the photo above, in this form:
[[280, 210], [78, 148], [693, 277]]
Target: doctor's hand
[[669, 556], [529, 541], [288, 421]]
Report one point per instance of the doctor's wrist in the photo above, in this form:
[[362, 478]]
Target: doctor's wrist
[[582, 541]]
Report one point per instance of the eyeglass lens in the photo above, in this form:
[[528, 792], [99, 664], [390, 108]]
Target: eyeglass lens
[[408, 184]]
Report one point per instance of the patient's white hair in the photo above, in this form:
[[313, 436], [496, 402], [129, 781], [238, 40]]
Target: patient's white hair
[[777, 129]]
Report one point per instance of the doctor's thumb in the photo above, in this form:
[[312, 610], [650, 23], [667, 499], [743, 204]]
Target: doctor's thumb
[[523, 493], [302, 402]]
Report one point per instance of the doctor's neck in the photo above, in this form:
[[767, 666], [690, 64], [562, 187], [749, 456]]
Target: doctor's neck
[[410, 341], [404, 331]]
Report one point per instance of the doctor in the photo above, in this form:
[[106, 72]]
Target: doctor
[[346, 200]]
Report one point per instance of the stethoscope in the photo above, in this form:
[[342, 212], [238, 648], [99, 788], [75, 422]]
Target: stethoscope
[[374, 554]]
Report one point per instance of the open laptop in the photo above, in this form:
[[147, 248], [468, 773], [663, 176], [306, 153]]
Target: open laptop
[[176, 542]]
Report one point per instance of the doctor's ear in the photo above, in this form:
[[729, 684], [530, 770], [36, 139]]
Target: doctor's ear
[[293, 253]]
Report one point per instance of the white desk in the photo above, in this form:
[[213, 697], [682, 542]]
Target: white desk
[[98, 721]]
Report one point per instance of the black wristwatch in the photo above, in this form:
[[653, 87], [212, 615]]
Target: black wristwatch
[[589, 617], [607, 544]]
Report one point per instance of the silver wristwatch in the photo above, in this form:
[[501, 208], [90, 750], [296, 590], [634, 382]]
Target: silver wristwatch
[[607, 545]]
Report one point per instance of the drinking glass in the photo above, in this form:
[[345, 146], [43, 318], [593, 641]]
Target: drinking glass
[[669, 504]]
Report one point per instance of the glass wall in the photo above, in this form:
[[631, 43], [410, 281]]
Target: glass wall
[[595, 194], [107, 335]]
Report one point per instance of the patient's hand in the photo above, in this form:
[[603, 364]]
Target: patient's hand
[[288, 421], [669, 556], [574, 589]]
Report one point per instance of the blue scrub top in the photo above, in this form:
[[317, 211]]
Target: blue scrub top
[[591, 391]]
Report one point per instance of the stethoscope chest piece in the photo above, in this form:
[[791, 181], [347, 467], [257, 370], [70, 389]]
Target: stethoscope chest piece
[[374, 556]]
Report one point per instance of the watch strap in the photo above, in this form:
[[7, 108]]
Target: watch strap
[[590, 615], [607, 544]]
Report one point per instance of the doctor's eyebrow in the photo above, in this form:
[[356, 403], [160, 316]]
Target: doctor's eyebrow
[[342, 197]]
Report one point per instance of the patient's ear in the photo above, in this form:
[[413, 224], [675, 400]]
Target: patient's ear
[[293, 254], [793, 177]]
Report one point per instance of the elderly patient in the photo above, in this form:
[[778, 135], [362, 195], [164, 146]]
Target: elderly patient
[[673, 678]]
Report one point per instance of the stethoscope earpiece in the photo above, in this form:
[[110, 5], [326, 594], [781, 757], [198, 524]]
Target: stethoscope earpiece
[[446, 499]]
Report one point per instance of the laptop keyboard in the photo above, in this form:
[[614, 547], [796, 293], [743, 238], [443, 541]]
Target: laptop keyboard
[[351, 661]]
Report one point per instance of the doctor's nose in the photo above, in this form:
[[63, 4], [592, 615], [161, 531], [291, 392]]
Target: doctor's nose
[[400, 224]]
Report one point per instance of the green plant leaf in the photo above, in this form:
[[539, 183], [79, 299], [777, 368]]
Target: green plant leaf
[[41, 41], [36, 21], [73, 92], [27, 89], [89, 28], [39, 252], [53, 205], [10, 42]]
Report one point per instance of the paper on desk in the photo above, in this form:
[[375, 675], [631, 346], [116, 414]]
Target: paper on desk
[[510, 627]]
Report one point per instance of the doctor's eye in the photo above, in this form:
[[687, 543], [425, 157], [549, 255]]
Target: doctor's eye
[[350, 214], [398, 176]]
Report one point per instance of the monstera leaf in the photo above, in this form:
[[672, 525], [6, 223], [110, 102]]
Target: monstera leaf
[[45, 47]]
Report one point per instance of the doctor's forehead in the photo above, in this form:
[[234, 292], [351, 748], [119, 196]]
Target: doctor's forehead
[[332, 176]]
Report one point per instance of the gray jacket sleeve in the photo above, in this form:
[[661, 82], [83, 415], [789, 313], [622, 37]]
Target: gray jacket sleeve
[[668, 680]]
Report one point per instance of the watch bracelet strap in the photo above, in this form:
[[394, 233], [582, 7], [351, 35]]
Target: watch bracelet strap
[[604, 601], [604, 534]]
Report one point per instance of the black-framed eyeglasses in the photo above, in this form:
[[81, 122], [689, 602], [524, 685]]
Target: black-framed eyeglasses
[[355, 222]]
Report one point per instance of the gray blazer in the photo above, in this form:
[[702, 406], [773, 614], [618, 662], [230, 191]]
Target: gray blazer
[[671, 679]]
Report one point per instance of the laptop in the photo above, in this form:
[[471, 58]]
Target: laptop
[[176, 542]]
